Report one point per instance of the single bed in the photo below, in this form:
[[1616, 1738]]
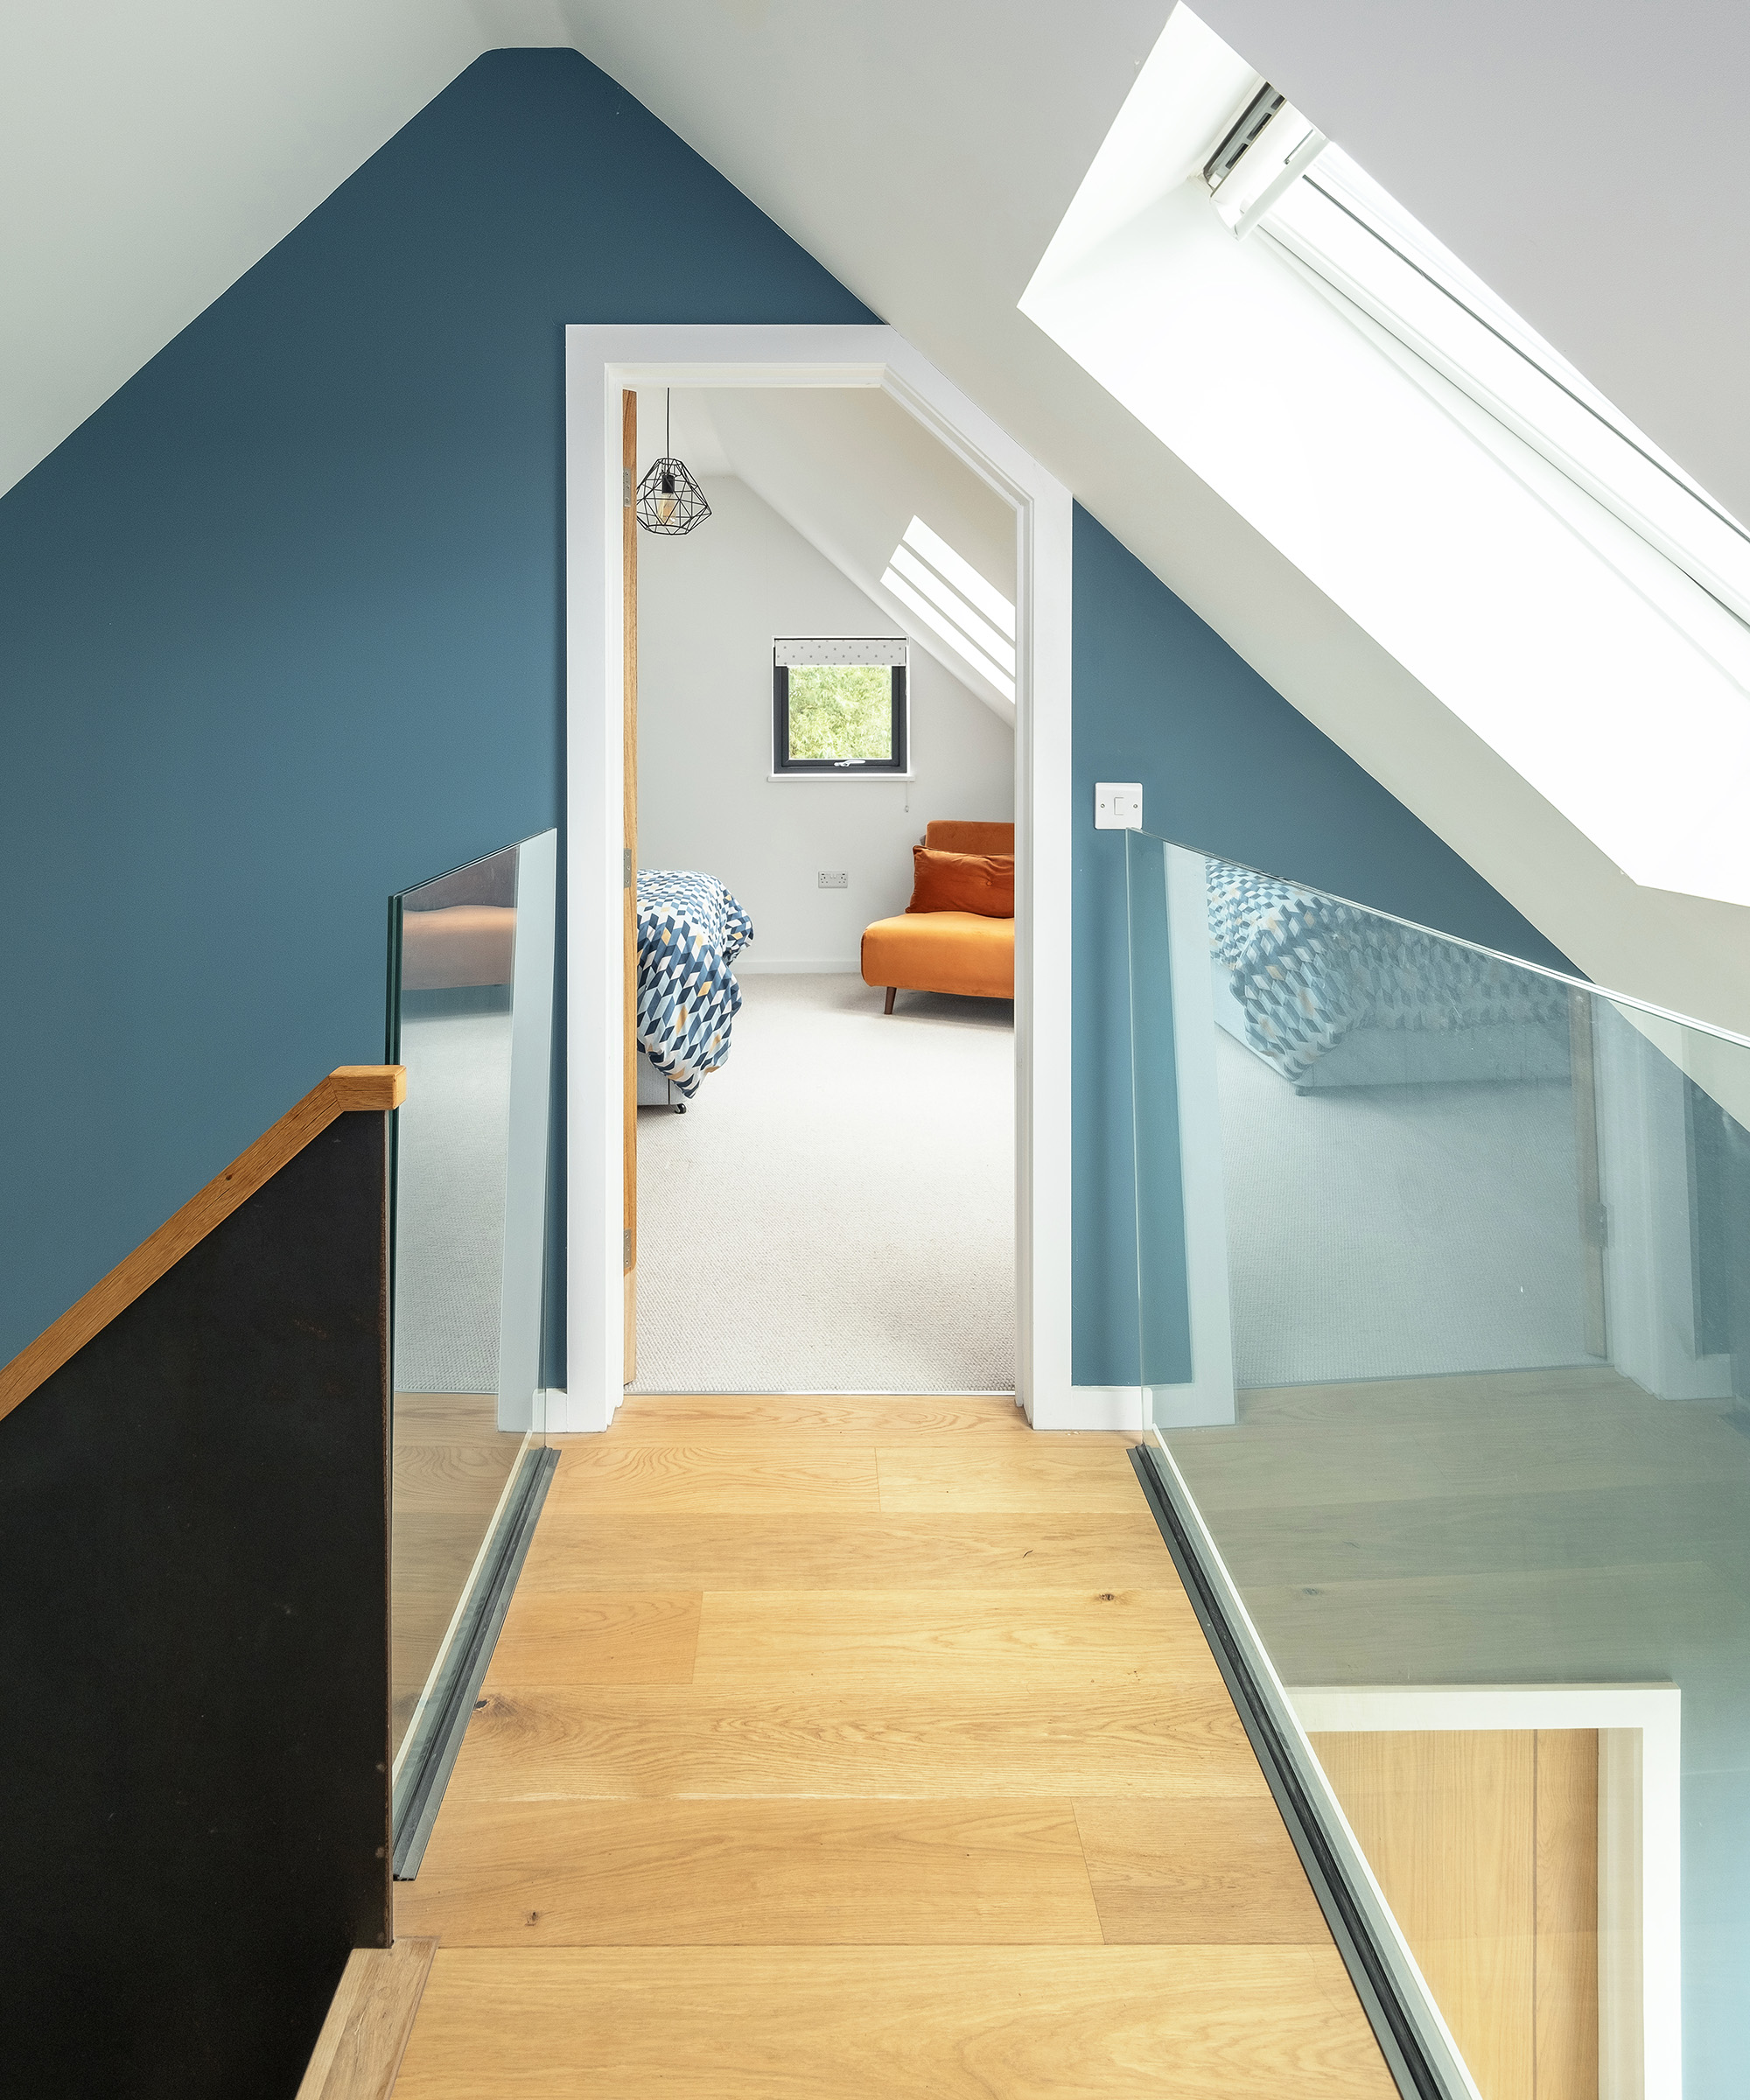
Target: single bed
[[1329, 995], [691, 929]]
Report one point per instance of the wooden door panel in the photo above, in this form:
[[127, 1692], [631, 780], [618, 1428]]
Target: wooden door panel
[[1485, 1843]]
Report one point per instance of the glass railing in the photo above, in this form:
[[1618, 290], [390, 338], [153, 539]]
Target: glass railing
[[470, 1016], [1443, 1323]]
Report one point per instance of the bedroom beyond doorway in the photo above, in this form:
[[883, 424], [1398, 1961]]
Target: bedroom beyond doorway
[[821, 728]]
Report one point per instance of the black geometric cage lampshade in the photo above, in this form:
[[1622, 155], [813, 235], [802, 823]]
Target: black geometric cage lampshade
[[669, 499]]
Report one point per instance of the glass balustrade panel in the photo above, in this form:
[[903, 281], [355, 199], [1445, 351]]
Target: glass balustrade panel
[[470, 1009], [1444, 1320]]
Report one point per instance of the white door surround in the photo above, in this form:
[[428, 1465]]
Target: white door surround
[[600, 362]]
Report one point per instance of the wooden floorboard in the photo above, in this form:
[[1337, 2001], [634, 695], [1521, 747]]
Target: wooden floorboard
[[600, 1637], [1038, 1549], [896, 1641], [818, 1873], [857, 1747], [975, 2023], [1194, 1871], [846, 1418], [527, 1741], [769, 1473], [359, 2051], [1058, 1474]]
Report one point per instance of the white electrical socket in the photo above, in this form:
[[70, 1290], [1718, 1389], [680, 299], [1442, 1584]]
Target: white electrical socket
[[834, 879], [1117, 806]]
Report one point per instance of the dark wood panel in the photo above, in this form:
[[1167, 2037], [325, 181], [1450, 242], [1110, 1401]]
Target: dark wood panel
[[194, 1652]]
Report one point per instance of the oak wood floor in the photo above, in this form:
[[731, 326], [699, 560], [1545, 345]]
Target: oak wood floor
[[856, 1747]]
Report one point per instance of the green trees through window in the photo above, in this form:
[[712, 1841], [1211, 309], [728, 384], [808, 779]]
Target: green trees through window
[[841, 711]]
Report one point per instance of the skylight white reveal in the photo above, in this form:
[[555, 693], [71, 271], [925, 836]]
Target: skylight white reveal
[[1533, 564], [955, 603]]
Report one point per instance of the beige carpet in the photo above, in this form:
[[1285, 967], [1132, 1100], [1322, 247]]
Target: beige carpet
[[835, 1213]]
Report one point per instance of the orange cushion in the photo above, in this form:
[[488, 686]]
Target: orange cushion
[[967, 952], [961, 835], [963, 882]]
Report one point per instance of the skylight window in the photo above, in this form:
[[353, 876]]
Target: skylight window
[[955, 603], [1359, 244], [1541, 571]]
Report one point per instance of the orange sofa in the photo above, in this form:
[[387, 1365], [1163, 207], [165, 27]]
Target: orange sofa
[[962, 952]]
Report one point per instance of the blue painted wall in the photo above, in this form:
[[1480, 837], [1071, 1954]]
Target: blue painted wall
[[1226, 765], [281, 632]]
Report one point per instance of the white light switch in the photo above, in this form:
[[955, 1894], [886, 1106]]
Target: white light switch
[[1118, 805], [834, 879]]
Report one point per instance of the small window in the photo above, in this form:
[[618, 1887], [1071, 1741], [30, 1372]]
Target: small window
[[838, 705]]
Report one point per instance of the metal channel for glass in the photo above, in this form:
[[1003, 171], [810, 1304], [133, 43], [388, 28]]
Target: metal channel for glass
[[1416, 2050], [435, 1741]]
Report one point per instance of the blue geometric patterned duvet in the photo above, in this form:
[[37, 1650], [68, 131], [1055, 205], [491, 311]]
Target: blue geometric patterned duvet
[[689, 930], [1306, 969]]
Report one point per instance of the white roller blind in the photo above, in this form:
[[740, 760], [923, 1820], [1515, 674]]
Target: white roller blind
[[837, 649]]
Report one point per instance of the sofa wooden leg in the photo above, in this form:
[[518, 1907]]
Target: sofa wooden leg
[[888, 1008]]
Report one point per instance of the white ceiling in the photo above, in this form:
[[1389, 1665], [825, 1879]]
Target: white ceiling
[[925, 152]]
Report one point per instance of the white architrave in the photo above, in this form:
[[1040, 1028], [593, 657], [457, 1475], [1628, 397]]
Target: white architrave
[[600, 362]]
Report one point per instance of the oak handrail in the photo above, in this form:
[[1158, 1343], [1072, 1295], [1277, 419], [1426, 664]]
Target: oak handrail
[[347, 1087]]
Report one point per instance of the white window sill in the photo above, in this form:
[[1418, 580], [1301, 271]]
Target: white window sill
[[850, 773]]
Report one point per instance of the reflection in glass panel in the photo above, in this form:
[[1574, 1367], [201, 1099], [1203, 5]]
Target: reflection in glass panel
[[471, 1019], [1445, 1317]]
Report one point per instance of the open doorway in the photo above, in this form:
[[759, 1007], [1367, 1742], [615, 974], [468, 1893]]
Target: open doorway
[[601, 363], [823, 659]]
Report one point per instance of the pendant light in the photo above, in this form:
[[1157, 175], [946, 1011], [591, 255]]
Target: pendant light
[[669, 498]]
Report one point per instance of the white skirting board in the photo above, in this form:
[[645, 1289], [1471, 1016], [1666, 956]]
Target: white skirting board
[[1137, 1409], [797, 966], [1096, 1407]]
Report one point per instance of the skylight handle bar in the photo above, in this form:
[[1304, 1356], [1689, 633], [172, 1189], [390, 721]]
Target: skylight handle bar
[[1276, 144], [1302, 158], [1246, 131]]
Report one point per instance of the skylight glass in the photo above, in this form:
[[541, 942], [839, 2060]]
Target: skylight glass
[[955, 603], [1358, 243]]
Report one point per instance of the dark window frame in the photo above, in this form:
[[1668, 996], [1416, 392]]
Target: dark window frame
[[829, 769]]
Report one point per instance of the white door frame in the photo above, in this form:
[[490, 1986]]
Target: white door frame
[[600, 362]]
